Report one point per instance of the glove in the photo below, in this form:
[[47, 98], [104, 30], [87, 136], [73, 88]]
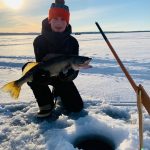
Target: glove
[[68, 75]]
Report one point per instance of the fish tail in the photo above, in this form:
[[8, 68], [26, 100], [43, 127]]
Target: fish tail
[[12, 88]]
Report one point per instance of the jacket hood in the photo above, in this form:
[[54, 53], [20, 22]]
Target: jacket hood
[[57, 39]]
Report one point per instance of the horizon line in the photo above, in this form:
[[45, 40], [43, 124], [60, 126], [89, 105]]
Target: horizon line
[[77, 32]]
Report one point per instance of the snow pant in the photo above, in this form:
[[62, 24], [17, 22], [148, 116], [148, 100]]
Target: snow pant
[[67, 91]]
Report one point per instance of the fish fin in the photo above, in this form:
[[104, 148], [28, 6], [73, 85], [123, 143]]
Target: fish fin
[[28, 67], [12, 88]]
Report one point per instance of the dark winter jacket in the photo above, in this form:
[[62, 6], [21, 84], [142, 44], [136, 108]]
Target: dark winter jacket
[[56, 43]]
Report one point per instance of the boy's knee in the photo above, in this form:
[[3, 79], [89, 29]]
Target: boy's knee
[[75, 108], [79, 108]]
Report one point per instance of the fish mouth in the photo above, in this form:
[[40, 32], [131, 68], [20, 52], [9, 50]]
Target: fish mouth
[[84, 65]]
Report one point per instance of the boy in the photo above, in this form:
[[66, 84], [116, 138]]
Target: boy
[[55, 39]]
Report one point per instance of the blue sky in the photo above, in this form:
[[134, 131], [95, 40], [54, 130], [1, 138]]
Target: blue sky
[[112, 15]]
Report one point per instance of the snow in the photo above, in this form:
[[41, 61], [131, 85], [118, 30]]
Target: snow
[[109, 100]]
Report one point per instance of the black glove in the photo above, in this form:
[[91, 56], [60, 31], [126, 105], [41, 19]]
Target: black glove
[[69, 75]]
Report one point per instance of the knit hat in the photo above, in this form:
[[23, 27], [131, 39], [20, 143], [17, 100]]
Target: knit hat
[[59, 9]]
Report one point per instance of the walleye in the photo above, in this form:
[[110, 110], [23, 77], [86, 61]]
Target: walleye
[[54, 65]]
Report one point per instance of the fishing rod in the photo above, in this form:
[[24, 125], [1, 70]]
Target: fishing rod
[[144, 96]]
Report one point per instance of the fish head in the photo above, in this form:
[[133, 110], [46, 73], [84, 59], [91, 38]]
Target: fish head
[[80, 62]]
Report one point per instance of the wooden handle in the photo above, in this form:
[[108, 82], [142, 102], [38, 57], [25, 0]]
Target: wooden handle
[[144, 96]]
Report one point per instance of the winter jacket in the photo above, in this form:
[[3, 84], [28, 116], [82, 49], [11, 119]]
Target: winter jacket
[[56, 43]]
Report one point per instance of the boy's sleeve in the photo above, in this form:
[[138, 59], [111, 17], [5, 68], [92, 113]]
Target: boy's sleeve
[[75, 46], [71, 74], [40, 48]]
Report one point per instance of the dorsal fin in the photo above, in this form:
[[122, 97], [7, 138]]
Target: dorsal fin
[[28, 67]]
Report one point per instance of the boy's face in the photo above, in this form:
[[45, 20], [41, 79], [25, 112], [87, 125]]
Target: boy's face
[[58, 24]]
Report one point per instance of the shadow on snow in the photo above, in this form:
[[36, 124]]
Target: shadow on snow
[[138, 70]]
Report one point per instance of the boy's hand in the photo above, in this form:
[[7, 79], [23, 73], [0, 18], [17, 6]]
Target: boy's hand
[[68, 75]]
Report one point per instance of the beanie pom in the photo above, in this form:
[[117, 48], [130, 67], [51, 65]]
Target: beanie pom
[[59, 2]]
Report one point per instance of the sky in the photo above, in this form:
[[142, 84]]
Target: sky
[[112, 15]]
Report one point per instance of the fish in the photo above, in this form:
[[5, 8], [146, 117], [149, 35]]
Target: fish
[[54, 65]]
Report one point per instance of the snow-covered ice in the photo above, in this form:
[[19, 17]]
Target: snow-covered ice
[[109, 100]]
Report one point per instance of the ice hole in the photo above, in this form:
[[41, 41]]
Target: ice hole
[[94, 142]]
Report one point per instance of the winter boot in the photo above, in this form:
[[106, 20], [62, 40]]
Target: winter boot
[[45, 111]]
